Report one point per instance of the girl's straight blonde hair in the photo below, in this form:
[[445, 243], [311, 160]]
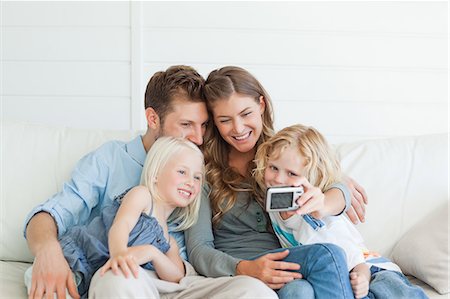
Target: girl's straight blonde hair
[[322, 167], [159, 154]]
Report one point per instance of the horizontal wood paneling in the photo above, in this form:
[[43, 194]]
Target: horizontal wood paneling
[[365, 119], [86, 112], [66, 79], [293, 49], [370, 18], [355, 70], [65, 13], [47, 43]]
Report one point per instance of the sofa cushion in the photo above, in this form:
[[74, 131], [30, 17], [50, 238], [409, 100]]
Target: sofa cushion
[[423, 251], [11, 279]]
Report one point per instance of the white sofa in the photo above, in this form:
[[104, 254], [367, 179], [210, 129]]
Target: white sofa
[[406, 179]]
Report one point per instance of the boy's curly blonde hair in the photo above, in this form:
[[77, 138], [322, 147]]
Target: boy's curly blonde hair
[[322, 167]]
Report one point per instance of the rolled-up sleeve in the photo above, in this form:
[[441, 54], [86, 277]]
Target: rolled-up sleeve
[[78, 196], [346, 192]]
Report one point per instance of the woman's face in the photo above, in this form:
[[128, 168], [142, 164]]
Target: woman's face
[[239, 120]]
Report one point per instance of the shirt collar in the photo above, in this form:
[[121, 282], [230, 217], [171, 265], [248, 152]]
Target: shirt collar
[[136, 150]]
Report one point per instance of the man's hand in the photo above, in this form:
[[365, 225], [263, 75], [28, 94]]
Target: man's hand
[[270, 269], [51, 274], [357, 211]]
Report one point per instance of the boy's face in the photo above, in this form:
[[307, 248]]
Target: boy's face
[[187, 120], [286, 169]]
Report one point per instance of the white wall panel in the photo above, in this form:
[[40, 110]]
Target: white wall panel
[[49, 43], [364, 120], [86, 112], [292, 48], [353, 69], [66, 79], [65, 13], [354, 85], [370, 18]]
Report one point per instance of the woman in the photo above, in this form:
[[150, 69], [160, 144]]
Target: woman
[[233, 235]]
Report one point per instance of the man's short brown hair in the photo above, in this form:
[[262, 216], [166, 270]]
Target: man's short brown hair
[[177, 82]]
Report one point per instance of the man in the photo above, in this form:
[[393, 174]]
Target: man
[[174, 106]]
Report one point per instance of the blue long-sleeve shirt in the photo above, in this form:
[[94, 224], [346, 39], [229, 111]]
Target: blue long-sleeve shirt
[[96, 180]]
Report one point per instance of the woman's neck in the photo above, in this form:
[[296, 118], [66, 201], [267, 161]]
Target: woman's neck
[[240, 161]]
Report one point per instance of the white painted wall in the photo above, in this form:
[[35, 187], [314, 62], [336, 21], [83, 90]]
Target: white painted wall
[[354, 70]]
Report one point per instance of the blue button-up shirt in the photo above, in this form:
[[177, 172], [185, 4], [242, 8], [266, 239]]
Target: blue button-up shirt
[[97, 179]]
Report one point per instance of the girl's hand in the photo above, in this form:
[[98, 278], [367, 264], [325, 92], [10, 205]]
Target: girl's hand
[[360, 284], [125, 263], [312, 201], [270, 269]]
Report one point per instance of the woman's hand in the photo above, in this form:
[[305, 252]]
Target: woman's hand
[[124, 262], [270, 269], [359, 199]]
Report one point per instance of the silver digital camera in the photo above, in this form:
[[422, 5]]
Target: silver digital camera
[[279, 199]]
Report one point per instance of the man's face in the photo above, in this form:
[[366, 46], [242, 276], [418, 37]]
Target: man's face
[[187, 120]]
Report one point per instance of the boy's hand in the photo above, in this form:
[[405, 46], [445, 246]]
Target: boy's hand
[[287, 214], [360, 285], [312, 201]]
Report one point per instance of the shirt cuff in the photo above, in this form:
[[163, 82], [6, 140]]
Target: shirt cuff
[[51, 212], [231, 266], [346, 193]]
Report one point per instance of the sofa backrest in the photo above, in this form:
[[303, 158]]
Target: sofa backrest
[[35, 161], [405, 178]]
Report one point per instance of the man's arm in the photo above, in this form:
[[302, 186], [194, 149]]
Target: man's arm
[[51, 273], [72, 205]]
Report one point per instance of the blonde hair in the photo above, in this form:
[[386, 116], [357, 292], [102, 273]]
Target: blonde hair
[[159, 154], [226, 182], [322, 167]]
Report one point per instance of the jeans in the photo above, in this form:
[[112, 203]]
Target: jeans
[[324, 270], [392, 284]]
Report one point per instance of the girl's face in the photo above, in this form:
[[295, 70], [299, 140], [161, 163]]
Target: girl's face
[[286, 170], [239, 121], [179, 181]]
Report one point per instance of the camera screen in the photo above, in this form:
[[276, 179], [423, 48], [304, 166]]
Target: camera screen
[[281, 200]]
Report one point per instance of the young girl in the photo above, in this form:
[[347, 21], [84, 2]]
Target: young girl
[[300, 156], [137, 220]]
